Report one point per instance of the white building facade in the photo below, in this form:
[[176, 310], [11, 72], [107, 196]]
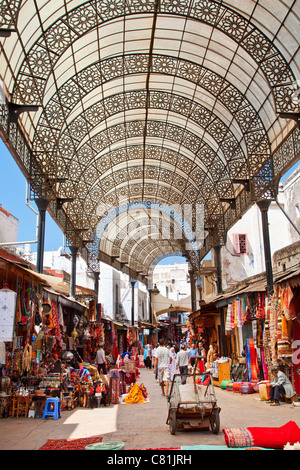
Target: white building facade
[[243, 256]]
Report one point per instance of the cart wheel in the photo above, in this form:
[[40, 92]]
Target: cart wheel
[[215, 421], [172, 422]]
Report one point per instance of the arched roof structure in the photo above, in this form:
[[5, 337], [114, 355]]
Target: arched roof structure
[[164, 107]]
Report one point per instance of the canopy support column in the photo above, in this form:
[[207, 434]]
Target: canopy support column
[[132, 301], [74, 253], [96, 282], [42, 204], [264, 207], [193, 290], [218, 264]]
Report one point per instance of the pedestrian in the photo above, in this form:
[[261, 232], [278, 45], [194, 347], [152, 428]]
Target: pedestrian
[[154, 360], [183, 363], [147, 357], [281, 385], [151, 355], [193, 353], [100, 360], [163, 359], [173, 366]]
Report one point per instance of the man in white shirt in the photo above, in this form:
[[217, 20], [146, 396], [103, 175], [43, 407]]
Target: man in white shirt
[[163, 359], [100, 360], [183, 363]]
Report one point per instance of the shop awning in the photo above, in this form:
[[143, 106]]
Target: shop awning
[[52, 285], [85, 292], [205, 309], [63, 300], [254, 284], [146, 325], [284, 276]]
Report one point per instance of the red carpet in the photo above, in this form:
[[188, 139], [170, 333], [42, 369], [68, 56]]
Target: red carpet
[[70, 444]]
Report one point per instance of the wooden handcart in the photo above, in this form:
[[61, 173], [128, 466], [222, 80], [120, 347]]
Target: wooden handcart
[[193, 406]]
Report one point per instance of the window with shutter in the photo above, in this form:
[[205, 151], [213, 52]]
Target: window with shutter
[[240, 244]]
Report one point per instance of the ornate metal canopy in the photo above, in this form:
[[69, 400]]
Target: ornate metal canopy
[[151, 126]]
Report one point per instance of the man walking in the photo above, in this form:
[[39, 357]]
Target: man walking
[[163, 359], [183, 363], [100, 360]]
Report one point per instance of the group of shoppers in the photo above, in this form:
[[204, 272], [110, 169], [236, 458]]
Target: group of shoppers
[[167, 362]]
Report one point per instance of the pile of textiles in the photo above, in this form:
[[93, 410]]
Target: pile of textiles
[[270, 438], [137, 394]]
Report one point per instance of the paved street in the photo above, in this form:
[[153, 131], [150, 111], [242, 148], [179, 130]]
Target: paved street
[[142, 426]]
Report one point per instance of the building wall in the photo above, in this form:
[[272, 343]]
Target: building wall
[[8, 226], [235, 267], [289, 198], [173, 280]]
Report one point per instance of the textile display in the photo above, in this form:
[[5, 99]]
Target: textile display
[[271, 438], [117, 384], [129, 377], [56, 322], [115, 390], [251, 356], [296, 361], [243, 310], [70, 444], [228, 318], [279, 319]]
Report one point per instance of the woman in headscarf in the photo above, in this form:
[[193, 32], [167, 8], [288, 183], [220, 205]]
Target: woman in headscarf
[[173, 366]]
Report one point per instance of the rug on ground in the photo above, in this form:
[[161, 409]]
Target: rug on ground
[[275, 438], [70, 444]]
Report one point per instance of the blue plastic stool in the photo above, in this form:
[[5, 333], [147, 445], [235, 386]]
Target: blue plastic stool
[[52, 411]]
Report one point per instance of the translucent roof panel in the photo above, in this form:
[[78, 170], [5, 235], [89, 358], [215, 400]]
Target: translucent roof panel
[[169, 103]]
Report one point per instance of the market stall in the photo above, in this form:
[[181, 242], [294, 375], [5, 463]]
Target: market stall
[[47, 344]]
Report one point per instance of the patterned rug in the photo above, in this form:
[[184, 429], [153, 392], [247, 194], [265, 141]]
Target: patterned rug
[[70, 444]]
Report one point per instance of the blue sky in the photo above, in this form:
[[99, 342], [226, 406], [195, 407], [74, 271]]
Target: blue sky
[[13, 196]]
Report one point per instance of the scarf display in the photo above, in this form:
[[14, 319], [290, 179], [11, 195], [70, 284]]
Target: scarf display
[[55, 320], [252, 363]]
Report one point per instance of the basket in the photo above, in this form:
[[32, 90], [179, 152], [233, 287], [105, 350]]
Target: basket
[[106, 446], [224, 384], [246, 387], [236, 387]]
